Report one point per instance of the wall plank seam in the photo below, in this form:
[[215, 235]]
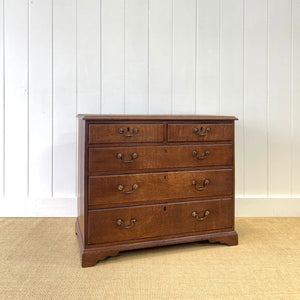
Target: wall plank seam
[[244, 113], [125, 65], [292, 99], [100, 58], [3, 100], [28, 95], [196, 51], [220, 56], [268, 101], [172, 61]]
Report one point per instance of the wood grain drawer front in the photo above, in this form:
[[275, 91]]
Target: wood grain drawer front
[[199, 132], [158, 157], [114, 190], [132, 223], [123, 132]]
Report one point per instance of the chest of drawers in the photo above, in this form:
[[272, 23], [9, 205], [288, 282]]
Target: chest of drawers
[[148, 181]]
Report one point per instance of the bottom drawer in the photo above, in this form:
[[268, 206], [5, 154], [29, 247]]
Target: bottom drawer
[[137, 222]]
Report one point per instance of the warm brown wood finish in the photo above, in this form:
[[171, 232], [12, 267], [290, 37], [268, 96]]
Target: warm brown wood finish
[[165, 220], [148, 181], [197, 118], [158, 157], [199, 132], [158, 187], [124, 132]]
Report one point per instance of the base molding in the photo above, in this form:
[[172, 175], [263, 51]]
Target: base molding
[[91, 256], [245, 206], [263, 206], [27, 207]]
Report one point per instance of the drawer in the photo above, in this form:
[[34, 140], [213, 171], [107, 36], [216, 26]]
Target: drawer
[[199, 132], [124, 132], [114, 190], [123, 159], [141, 222]]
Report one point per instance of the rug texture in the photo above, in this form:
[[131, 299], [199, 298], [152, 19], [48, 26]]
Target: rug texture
[[40, 259]]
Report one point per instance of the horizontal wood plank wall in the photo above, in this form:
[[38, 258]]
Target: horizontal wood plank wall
[[63, 57]]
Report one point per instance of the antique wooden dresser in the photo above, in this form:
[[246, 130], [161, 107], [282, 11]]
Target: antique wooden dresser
[[147, 181]]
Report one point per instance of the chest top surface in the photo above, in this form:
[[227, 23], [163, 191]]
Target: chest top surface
[[99, 117]]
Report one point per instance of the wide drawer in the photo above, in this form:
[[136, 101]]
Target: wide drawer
[[199, 132], [123, 132], [158, 157], [113, 190], [141, 222]]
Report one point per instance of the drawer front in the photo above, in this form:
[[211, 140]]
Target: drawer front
[[199, 132], [123, 132], [160, 157], [114, 190], [132, 223]]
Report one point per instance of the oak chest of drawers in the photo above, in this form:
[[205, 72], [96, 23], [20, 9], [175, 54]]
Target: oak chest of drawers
[[147, 181]]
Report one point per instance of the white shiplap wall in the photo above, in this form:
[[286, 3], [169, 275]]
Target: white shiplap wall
[[63, 57]]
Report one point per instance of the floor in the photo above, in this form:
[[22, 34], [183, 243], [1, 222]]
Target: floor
[[40, 259]]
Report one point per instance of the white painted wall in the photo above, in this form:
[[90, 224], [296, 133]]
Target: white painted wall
[[63, 57]]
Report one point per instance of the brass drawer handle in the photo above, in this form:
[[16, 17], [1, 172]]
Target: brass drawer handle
[[121, 188], [200, 131], [126, 132], [196, 216], [205, 184], [133, 157], [120, 222], [206, 153]]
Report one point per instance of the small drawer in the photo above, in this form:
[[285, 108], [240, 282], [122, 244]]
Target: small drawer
[[199, 132], [130, 189], [125, 159], [142, 222], [124, 132]]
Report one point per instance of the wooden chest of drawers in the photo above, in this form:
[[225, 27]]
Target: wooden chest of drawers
[[147, 181]]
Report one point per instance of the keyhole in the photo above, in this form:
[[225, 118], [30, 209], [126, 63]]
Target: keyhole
[[165, 177], [128, 128], [165, 208], [201, 128]]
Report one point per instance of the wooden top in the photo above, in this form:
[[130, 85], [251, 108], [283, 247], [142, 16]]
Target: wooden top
[[155, 117]]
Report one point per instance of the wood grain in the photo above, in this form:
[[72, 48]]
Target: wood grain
[[158, 157], [100, 133], [158, 187], [206, 132], [157, 221]]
